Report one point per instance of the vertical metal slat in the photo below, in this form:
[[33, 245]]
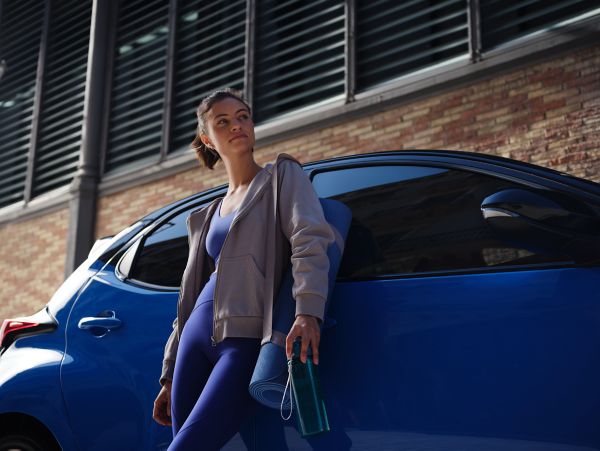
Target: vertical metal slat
[[37, 102], [474, 19], [350, 50], [165, 141]]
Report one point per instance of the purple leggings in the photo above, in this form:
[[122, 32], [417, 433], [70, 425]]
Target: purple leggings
[[209, 395]]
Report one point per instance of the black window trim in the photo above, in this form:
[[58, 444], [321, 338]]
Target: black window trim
[[464, 272]]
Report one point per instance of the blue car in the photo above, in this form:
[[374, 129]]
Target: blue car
[[465, 316]]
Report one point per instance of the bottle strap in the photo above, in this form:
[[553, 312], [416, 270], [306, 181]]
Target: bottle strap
[[287, 384]]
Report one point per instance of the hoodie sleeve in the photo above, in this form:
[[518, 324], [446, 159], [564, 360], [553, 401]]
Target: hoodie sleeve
[[309, 234], [169, 357]]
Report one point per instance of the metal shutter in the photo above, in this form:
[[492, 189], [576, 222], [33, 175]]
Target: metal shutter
[[394, 38], [139, 72], [209, 54], [502, 20], [20, 36], [61, 115], [299, 54]]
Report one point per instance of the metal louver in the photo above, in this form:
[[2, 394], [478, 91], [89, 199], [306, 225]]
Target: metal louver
[[300, 57], [502, 21], [61, 116], [394, 38], [210, 54], [138, 82], [20, 36]]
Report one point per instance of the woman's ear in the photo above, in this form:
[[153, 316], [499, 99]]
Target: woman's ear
[[206, 141]]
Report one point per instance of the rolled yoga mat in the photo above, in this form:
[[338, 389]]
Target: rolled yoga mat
[[270, 373]]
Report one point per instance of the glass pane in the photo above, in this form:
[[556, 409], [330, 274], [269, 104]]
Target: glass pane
[[209, 55], [20, 36], [413, 219], [503, 21], [395, 38], [138, 80], [61, 116], [163, 258], [299, 55]]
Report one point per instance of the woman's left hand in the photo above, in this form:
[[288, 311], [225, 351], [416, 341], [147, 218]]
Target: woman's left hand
[[306, 327]]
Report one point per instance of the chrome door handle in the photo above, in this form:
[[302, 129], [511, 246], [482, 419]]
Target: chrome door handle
[[102, 324]]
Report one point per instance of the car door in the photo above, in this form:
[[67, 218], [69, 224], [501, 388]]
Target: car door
[[446, 337], [116, 334]]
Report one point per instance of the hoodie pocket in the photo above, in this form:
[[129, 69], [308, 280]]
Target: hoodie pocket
[[241, 286]]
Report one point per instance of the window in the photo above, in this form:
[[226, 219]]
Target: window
[[394, 38], [164, 253], [502, 21], [138, 85], [209, 55], [299, 55], [413, 219], [20, 37], [61, 120]]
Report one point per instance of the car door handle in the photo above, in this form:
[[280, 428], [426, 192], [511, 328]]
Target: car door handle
[[101, 324]]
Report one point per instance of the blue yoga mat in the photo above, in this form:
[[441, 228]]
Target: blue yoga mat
[[270, 374]]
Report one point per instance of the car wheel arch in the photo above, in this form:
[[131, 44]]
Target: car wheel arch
[[17, 424]]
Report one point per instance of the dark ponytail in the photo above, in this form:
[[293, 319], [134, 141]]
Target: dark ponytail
[[208, 156]]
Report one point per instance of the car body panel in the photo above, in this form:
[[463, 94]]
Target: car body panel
[[512, 355], [113, 379], [30, 384]]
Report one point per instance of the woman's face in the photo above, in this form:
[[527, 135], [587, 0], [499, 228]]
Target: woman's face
[[230, 129]]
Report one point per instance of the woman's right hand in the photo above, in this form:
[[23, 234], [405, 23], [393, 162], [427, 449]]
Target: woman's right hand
[[162, 405]]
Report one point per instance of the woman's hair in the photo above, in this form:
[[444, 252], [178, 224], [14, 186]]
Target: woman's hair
[[207, 156]]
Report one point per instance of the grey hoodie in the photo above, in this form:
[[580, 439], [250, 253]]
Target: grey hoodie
[[254, 257]]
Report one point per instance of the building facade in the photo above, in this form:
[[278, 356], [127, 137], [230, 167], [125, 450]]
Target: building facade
[[98, 98]]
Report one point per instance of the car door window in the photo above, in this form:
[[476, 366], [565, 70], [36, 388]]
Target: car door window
[[418, 219], [163, 256]]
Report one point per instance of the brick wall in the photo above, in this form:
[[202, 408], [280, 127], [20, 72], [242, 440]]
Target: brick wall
[[547, 114], [32, 263]]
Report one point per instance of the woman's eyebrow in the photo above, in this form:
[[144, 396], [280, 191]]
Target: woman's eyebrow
[[225, 114]]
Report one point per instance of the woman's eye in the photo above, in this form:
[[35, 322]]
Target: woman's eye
[[222, 121], [244, 117]]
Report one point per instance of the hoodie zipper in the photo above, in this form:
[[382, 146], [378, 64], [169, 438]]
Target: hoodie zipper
[[234, 222]]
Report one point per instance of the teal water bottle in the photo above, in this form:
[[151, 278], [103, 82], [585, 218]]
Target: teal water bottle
[[310, 407]]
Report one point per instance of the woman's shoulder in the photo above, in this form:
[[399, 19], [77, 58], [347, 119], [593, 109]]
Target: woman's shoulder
[[284, 158], [200, 214], [282, 162]]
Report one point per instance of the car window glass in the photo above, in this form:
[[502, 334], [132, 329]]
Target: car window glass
[[340, 182], [164, 254], [413, 219]]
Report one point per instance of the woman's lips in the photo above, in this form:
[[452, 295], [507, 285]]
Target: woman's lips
[[238, 136]]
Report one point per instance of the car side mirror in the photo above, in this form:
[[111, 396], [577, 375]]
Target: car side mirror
[[544, 222]]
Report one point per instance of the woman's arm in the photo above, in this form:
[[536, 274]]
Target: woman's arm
[[309, 234]]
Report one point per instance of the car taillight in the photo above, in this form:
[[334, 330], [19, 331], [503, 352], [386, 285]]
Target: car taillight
[[13, 328]]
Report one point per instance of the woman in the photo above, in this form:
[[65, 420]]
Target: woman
[[240, 246]]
